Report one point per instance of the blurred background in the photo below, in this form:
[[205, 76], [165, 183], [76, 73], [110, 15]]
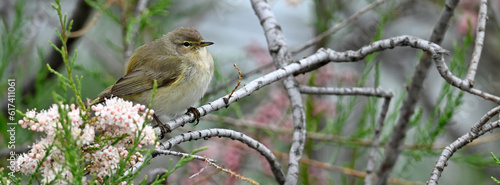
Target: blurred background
[[342, 126]]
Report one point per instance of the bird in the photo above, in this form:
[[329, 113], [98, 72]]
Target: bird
[[180, 63]]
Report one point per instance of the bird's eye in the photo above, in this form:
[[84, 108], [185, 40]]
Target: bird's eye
[[186, 44]]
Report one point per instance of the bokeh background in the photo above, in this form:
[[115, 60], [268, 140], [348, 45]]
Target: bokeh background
[[344, 123]]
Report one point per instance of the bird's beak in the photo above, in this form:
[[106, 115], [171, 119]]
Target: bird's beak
[[203, 44]]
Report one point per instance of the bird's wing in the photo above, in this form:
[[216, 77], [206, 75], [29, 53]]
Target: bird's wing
[[165, 70]]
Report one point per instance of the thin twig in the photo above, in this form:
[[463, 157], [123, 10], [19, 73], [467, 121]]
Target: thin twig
[[199, 172], [243, 76], [157, 152], [236, 87], [91, 23], [370, 165], [204, 178], [230, 172], [252, 143], [336, 28], [453, 147], [478, 43]]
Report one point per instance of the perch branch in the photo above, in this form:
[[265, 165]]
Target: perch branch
[[321, 56]]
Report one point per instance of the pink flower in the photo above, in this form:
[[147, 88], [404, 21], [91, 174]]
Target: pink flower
[[115, 119]]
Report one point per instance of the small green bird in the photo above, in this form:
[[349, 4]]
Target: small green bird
[[180, 63]]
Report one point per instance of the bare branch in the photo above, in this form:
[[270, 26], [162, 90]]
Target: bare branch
[[337, 27], [453, 147], [478, 44], [477, 127], [370, 165], [180, 154], [361, 91], [380, 123], [462, 84], [322, 56], [394, 145], [278, 49], [468, 83], [204, 134]]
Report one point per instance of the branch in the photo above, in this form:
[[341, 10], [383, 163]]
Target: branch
[[354, 91], [467, 84], [477, 127], [278, 49], [370, 165], [396, 140], [453, 147], [322, 56], [207, 133], [337, 27], [380, 123], [180, 154], [478, 43]]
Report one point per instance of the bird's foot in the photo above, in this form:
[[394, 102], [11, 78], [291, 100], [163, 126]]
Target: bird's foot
[[164, 128], [196, 114]]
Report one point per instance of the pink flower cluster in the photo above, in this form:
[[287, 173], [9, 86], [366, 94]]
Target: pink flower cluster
[[119, 117], [106, 161], [97, 137]]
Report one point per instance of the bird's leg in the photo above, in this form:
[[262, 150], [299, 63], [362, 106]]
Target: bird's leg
[[196, 114], [164, 129]]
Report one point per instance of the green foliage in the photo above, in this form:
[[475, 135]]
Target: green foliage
[[64, 141], [11, 41], [74, 84], [448, 102], [497, 161]]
